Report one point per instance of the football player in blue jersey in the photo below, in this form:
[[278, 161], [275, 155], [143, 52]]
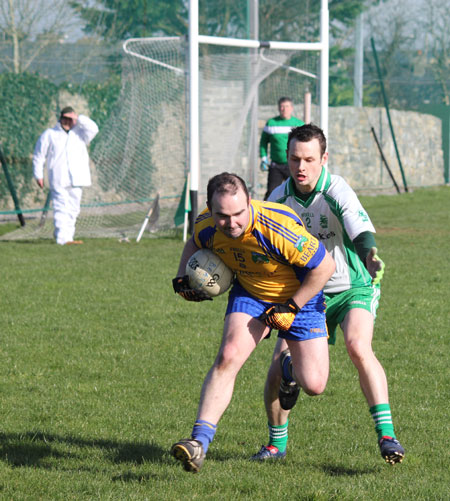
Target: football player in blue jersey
[[280, 273]]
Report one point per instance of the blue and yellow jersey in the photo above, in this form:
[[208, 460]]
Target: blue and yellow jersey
[[273, 255]]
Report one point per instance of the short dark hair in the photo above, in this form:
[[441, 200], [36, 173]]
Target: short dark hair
[[284, 99], [67, 109], [225, 183], [306, 133]]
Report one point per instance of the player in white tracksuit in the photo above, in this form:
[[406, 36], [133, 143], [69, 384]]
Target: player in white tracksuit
[[331, 211], [63, 149]]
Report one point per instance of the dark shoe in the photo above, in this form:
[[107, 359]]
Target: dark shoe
[[391, 450], [268, 452], [190, 453], [289, 390]]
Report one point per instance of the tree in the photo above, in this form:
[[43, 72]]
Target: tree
[[437, 41], [118, 19], [413, 44], [29, 26], [282, 20]]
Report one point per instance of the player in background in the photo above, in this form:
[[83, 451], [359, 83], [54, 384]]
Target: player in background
[[332, 212], [63, 149], [275, 134], [280, 272]]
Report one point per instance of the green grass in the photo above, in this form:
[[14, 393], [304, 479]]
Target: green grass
[[101, 367]]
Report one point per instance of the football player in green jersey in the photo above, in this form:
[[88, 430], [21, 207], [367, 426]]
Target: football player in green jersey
[[332, 212], [275, 134]]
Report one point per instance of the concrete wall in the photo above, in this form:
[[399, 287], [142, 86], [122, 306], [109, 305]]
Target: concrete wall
[[355, 156]]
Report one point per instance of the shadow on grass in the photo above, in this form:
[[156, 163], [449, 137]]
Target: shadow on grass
[[342, 471], [32, 448]]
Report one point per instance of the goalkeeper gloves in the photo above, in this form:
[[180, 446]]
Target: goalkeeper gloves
[[264, 164], [375, 266], [181, 286], [280, 316]]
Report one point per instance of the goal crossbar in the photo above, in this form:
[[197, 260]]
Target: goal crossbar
[[259, 44]]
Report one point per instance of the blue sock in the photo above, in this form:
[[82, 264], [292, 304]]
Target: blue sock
[[286, 371], [204, 432]]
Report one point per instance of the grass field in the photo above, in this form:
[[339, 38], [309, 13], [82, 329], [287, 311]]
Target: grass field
[[101, 367]]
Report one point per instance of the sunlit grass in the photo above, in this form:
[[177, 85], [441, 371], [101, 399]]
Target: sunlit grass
[[102, 365]]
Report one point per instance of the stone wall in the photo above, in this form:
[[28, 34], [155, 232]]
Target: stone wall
[[353, 152]]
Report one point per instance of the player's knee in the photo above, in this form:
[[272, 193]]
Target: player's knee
[[359, 351], [314, 390], [228, 357], [315, 385]]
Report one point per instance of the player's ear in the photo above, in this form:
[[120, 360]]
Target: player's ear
[[325, 158]]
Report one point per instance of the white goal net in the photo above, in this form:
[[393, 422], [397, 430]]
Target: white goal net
[[141, 155]]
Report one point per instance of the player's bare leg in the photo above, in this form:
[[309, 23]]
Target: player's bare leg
[[358, 332], [242, 333], [310, 364], [275, 413], [310, 370]]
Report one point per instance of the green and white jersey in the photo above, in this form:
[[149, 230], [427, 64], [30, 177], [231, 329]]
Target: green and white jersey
[[336, 217], [276, 133]]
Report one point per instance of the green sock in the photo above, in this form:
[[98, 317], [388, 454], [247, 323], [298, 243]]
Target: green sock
[[382, 418], [278, 436]]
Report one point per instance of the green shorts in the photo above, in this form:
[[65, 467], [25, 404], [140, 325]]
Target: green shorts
[[340, 303]]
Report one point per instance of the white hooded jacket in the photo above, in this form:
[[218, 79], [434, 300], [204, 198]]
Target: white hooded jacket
[[66, 154]]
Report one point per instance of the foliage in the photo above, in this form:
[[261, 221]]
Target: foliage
[[28, 27], [101, 368], [283, 20], [101, 97], [341, 86], [28, 106], [413, 52]]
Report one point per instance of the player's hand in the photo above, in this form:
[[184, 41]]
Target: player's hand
[[375, 266], [280, 316], [264, 164], [181, 286]]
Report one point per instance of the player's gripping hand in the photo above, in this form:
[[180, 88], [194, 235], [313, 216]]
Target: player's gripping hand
[[264, 166], [375, 266], [181, 286], [280, 316]]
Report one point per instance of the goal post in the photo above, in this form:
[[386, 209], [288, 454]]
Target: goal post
[[200, 115], [195, 40]]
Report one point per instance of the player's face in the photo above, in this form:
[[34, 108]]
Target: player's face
[[305, 163], [231, 213], [286, 110]]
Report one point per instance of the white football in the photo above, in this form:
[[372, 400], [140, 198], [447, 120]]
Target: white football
[[208, 273]]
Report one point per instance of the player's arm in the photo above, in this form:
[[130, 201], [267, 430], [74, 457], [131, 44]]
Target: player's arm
[[263, 143], [86, 128], [315, 280], [366, 249], [181, 281], [281, 316], [190, 248]]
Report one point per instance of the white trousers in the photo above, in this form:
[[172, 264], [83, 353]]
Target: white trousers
[[66, 207]]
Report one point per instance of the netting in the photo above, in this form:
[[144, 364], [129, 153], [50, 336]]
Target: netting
[[142, 152]]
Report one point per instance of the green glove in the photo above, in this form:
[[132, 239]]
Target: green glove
[[375, 266]]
